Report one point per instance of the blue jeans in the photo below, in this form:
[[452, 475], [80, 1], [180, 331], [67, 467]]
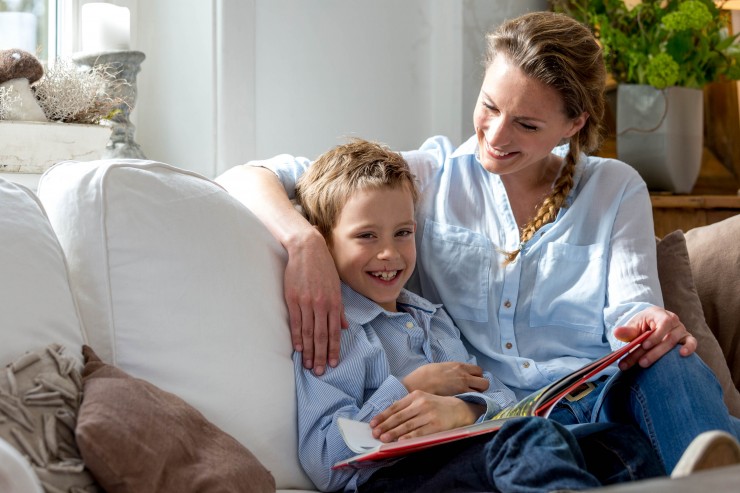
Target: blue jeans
[[672, 401], [528, 455]]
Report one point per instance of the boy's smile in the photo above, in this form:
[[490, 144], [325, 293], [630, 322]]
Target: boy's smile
[[373, 243]]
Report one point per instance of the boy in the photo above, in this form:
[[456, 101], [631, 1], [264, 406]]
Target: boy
[[403, 365]]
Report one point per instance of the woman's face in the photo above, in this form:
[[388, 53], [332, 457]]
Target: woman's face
[[518, 121]]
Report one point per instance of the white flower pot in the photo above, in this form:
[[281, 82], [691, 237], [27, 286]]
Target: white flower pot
[[660, 133], [32, 147]]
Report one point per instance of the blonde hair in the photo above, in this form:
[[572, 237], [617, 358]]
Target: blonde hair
[[358, 165], [561, 53]]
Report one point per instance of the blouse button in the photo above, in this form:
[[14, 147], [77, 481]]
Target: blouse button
[[526, 364], [409, 325], [507, 304], [508, 345]]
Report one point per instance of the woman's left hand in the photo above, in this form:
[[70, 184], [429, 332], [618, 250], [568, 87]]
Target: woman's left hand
[[668, 331]]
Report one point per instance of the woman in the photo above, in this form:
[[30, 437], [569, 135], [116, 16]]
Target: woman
[[543, 256]]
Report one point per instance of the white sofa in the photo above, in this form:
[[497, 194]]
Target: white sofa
[[167, 277]]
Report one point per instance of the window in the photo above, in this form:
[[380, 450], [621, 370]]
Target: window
[[49, 29], [25, 24]]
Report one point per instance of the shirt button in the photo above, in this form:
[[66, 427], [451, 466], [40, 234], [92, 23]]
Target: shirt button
[[508, 345], [526, 364], [409, 325], [507, 304]]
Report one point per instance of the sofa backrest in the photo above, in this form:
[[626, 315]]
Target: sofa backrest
[[179, 284], [715, 264], [36, 299], [37, 309]]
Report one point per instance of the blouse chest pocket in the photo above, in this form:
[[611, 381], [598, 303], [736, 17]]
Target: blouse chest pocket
[[570, 289], [457, 262]]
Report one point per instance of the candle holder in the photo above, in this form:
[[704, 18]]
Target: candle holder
[[123, 65]]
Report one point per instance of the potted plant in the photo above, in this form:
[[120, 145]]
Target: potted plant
[[661, 53]]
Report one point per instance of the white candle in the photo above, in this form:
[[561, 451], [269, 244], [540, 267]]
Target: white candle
[[105, 27]]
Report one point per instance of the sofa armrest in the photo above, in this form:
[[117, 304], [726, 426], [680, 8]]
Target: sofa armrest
[[16, 474]]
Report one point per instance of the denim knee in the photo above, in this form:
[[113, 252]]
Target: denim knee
[[617, 453], [536, 454]]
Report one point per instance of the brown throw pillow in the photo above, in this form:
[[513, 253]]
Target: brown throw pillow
[[715, 262], [137, 438], [681, 298], [39, 400]]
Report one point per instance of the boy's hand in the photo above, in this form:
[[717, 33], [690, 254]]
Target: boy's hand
[[421, 413], [449, 378]]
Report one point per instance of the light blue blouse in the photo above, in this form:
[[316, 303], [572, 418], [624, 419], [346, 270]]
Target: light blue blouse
[[377, 350], [555, 308]]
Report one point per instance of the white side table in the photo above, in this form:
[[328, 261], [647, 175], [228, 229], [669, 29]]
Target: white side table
[[27, 149]]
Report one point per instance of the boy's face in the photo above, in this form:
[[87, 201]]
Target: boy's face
[[373, 243]]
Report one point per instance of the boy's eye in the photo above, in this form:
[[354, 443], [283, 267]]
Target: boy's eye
[[405, 232], [366, 235]]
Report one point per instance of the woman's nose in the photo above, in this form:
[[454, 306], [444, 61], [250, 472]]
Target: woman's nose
[[497, 133]]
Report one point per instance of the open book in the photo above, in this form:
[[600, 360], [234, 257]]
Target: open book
[[358, 436]]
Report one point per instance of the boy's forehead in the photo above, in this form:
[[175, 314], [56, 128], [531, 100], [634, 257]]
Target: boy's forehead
[[370, 200], [385, 187]]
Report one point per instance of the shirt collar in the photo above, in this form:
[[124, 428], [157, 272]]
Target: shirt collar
[[362, 310], [470, 147]]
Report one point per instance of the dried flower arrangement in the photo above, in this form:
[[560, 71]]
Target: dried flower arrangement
[[8, 99], [64, 92], [68, 94]]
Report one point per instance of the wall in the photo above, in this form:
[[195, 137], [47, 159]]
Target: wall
[[226, 81]]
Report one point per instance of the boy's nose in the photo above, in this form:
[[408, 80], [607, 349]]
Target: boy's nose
[[388, 252]]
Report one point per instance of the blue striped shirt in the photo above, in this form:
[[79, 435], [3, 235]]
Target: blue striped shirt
[[377, 350]]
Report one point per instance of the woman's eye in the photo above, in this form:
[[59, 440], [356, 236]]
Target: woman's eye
[[529, 128]]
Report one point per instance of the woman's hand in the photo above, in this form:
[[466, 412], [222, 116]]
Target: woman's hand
[[449, 378], [667, 332], [314, 299], [421, 413], [311, 289]]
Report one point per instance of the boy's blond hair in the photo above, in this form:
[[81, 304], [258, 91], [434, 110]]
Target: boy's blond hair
[[358, 165]]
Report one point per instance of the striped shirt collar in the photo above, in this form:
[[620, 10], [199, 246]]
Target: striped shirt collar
[[363, 310]]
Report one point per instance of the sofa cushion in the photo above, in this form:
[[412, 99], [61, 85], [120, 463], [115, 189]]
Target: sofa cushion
[[680, 297], [36, 300], [180, 285], [137, 438], [40, 395], [715, 263]]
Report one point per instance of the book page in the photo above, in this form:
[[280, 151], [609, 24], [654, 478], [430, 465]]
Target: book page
[[357, 435]]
